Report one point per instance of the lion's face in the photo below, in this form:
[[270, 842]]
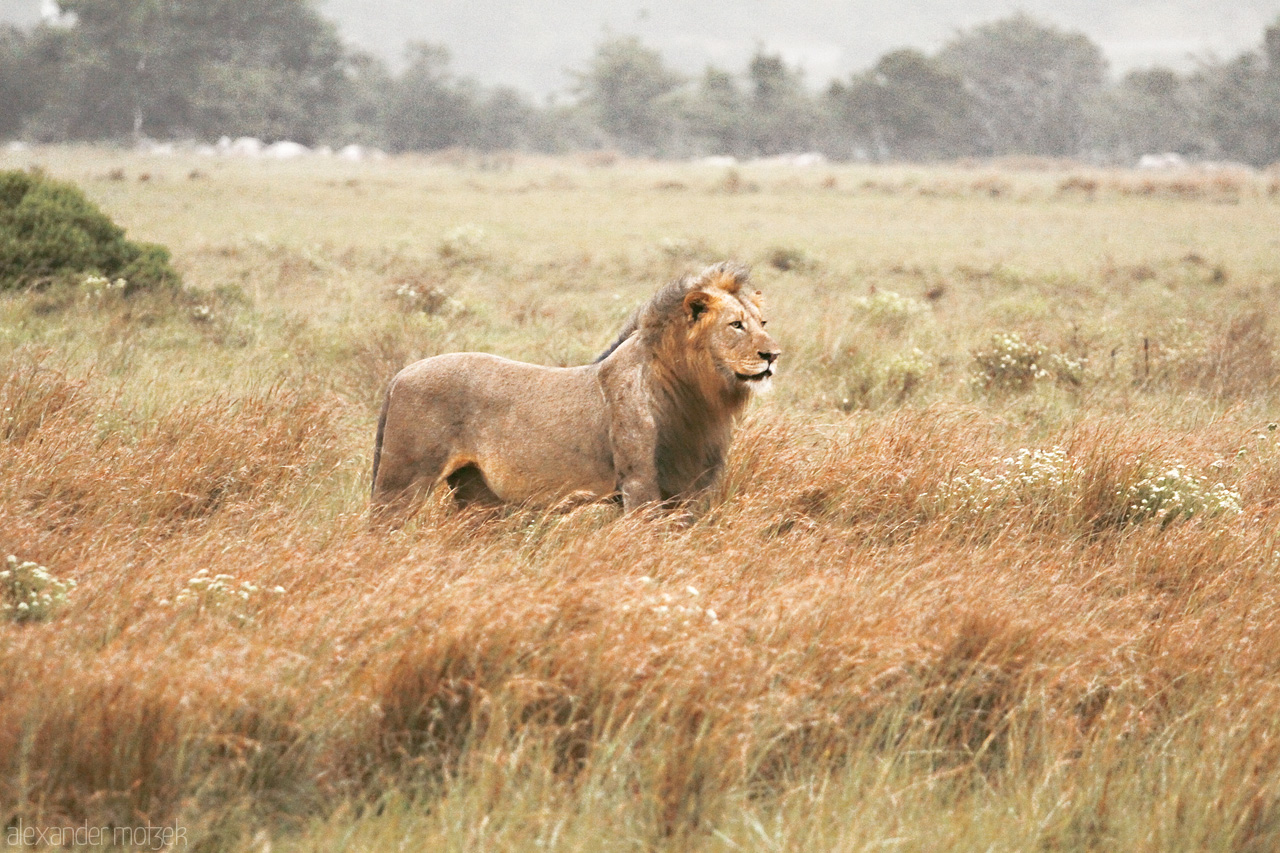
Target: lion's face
[[732, 331]]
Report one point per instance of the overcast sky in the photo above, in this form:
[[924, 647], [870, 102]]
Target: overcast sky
[[531, 45]]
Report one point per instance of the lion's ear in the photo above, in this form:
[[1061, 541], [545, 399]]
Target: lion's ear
[[696, 304]]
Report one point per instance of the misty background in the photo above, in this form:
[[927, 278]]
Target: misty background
[[1101, 82]]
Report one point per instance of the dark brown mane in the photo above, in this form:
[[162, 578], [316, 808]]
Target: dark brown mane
[[665, 306]]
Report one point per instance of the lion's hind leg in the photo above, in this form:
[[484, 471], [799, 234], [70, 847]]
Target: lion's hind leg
[[469, 486], [402, 481]]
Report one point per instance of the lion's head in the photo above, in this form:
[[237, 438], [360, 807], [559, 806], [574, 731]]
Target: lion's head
[[709, 330]]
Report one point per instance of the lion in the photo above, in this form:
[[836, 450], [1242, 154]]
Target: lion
[[648, 422]]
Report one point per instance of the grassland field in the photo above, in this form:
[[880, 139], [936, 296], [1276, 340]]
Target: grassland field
[[995, 567]]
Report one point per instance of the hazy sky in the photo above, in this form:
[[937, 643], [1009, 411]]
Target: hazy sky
[[531, 45]]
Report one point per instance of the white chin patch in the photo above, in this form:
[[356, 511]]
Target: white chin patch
[[758, 382]]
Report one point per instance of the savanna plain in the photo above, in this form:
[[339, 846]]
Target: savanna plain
[[995, 566]]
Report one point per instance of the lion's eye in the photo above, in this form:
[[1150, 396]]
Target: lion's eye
[[736, 324]]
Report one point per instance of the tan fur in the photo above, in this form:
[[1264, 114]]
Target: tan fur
[[650, 420]]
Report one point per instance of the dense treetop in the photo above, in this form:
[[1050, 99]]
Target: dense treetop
[[276, 69]]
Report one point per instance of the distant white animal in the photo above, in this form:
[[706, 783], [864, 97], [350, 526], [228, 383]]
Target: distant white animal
[[246, 146], [1167, 160], [286, 150]]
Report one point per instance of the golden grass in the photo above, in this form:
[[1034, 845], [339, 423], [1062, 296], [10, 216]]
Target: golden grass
[[884, 630]]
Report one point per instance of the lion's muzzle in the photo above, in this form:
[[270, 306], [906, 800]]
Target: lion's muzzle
[[756, 377], [769, 357]]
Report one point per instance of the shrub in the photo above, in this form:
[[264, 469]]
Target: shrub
[[1051, 483], [868, 381], [1177, 493], [1044, 478], [890, 310], [28, 593], [49, 231], [1010, 363], [424, 298], [222, 594]]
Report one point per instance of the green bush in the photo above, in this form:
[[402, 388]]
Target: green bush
[[49, 231]]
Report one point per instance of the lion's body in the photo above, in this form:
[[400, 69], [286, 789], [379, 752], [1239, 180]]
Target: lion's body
[[650, 421], [505, 418]]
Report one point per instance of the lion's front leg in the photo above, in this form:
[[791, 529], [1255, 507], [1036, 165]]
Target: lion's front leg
[[638, 491], [633, 438], [634, 453]]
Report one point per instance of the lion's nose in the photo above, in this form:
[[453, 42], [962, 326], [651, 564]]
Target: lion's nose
[[770, 357]]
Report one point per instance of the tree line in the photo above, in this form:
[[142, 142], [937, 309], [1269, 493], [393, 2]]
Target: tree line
[[276, 69]]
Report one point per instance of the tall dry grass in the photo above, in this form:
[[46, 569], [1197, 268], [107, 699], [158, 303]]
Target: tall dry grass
[[955, 618], [821, 614]]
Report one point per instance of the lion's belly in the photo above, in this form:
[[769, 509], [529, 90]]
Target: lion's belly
[[514, 479], [546, 436]]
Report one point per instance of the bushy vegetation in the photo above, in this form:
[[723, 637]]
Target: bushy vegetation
[[922, 614], [49, 231], [276, 69], [29, 593]]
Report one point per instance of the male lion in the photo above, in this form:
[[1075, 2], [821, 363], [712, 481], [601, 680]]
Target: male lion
[[650, 420]]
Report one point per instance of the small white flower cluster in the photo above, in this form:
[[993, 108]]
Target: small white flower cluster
[[221, 593], [202, 313], [1010, 363], [464, 244], [1032, 475], [886, 308], [1177, 493], [29, 593], [97, 286], [1047, 478], [1264, 442], [908, 366], [681, 610]]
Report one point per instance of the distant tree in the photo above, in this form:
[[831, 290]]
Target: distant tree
[[428, 108], [1032, 85], [558, 127], [1241, 109], [632, 95], [1150, 111], [1241, 103], [505, 120], [716, 115], [19, 93], [783, 116], [162, 68], [364, 101], [907, 107]]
